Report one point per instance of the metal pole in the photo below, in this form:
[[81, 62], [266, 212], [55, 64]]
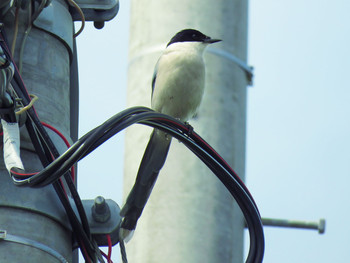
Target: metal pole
[[35, 217], [190, 216]]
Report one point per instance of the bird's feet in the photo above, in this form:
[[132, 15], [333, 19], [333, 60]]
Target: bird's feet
[[189, 128]]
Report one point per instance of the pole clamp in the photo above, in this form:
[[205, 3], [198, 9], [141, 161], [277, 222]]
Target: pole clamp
[[4, 236]]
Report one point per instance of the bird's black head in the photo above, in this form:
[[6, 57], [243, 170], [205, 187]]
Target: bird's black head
[[191, 35]]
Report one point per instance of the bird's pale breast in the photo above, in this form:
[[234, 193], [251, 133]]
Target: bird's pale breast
[[179, 88]]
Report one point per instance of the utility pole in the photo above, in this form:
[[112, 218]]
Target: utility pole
[[36, 214], [190, 216], [33, 224]]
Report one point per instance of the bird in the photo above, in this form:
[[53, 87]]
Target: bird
[[177, 90]]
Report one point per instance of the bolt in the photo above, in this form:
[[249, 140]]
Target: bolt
[[99, 24], [100, 210]]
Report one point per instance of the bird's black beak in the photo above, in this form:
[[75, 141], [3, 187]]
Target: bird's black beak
[[211, 40]]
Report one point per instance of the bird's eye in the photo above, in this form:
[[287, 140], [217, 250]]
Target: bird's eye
[[194, 35]]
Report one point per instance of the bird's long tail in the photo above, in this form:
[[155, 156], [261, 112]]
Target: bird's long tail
[[152, 161]]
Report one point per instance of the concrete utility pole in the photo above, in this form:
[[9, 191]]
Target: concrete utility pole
[[36, 214], [34, 226], [190, 216]]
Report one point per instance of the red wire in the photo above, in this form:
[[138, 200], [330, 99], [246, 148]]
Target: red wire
[[64, 140], [207, 145], [204, 142], [22, 174], [67, 144], [105, 256], [109, 241], [83, 250], [57, 132]]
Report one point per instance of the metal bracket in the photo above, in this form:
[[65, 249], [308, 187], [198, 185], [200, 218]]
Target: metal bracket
[[96, 10], [61, 28], [103, 216]]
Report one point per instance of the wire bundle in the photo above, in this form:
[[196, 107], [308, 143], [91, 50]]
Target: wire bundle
[[175, 128], [47, 152], [42, 143]]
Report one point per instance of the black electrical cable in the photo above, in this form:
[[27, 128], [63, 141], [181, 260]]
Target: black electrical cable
[[81, 237], [43, 151], [105, 134], [187, 129], [75, 152], [244, 201], [67, 177], [63, 198], [82, 231], [255, 226], [49, 144], [250, 212], [175, 124], [119, 129], [169, 120], [242, 197], [182, 132], [77, 229]]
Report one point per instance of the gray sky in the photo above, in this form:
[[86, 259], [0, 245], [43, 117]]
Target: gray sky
[[298, 146]]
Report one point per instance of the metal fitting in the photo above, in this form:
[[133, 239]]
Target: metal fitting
[[100, 210]]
